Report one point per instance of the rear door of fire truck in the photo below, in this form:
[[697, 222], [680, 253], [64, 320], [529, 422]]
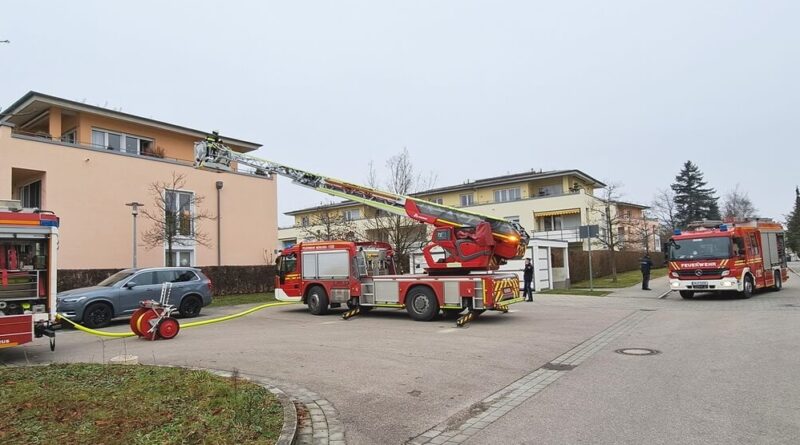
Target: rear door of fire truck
[[27, 281]]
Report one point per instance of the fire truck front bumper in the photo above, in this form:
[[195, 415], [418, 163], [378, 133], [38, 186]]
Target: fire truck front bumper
[[723, 284]]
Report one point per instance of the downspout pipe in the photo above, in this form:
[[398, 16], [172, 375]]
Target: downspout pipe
[[219, 224]]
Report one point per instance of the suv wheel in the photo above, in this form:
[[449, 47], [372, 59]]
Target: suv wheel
[[97, 315], [190, 306]]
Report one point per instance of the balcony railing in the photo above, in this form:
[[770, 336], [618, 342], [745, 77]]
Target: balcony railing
[[569, 235]]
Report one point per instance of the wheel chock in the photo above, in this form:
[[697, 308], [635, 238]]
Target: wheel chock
[[351, 313]]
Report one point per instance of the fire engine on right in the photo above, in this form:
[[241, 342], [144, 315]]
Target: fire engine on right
[[735, 256]]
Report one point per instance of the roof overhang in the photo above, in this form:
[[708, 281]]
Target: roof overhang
[[33, 104]]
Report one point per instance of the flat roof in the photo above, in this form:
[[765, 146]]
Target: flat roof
[[32, 97]]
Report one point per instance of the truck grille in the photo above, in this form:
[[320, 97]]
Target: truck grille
[[703, 273]]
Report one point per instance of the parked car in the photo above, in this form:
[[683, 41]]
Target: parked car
[[119, 295]]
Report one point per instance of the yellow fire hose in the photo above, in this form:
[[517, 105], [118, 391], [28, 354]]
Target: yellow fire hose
[[187, 325]]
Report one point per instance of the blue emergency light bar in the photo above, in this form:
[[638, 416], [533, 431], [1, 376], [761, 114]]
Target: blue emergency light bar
[[676, 232], [723, 227]]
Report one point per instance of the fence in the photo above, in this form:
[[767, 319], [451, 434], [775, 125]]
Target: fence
[[226, 280], [601, 262]]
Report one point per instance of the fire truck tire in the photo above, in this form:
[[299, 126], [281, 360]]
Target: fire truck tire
[[190, 306], [317, 300], [97, 315], [778, 282], [687, 294], [421, 304], [747, 287]]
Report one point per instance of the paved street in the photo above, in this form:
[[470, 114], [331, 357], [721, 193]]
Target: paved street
[[544, 373]]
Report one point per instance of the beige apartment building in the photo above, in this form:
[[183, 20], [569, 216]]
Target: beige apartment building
[[85, 163], [550, 205]]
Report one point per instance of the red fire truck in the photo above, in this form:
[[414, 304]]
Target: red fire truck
[[362, 275], [736, 256], [28, 243]]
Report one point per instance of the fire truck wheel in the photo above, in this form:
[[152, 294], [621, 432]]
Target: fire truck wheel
[[687, 294], [97, 315], [778, 283], [421, 304], [190, 306], [747, 287], [317, 300]]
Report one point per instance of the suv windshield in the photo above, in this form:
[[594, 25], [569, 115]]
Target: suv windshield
[[700, 248], [116, 278]]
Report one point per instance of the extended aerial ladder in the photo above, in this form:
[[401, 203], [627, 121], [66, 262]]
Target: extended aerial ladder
[[471, 241]]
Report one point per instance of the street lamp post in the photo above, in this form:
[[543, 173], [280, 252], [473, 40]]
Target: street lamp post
[[134, 211]]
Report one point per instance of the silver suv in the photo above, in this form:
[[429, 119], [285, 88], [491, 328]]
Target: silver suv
[[119, 295]]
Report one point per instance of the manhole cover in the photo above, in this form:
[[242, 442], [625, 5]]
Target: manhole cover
[[790, 305], [637, 351], [648, 310]]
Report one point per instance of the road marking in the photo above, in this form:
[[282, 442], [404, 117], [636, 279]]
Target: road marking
[[447, 331]]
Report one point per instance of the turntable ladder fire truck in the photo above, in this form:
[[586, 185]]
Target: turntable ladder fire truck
[[362, 275], [28, 244], [737, 256]]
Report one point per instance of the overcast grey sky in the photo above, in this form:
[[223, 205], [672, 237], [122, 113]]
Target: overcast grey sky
[[625, 91]]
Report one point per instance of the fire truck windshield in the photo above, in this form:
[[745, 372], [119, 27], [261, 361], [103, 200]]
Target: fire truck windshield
[[700, 248]]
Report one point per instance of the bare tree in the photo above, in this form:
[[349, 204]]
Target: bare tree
[[403, 233], [737, 205], [664, 209], [604, 207], [328, 224], [175, 217], [642, 232]]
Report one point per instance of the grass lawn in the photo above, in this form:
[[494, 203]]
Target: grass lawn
[[586, 292], [624, 279], [108, 404], [230, 300]]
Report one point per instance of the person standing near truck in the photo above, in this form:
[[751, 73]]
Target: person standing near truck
[[646, 264], [527, 276]]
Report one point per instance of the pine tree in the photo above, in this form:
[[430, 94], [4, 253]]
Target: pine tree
[[693, 201], [793, 224]]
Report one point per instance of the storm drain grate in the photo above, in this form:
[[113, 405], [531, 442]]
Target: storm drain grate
[[558, 367], [637, 351]]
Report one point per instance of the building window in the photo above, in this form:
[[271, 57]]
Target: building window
[[550, 223], [180, 257], [437, 200], [121, 142], [70, 137], [179, 212], [467, 200], [304, 221], [550, 190], [350, 215], [514, 218], [506, 195], [30, 195]]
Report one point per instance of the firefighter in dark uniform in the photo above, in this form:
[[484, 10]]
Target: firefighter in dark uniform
[[527, 276], [646, 264]]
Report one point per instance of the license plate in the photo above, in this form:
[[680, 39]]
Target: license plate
[[700, 284]]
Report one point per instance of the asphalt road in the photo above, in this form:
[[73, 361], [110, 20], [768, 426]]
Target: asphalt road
[[726, 372]]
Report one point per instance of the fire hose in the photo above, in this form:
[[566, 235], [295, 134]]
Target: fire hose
[[187, 325]]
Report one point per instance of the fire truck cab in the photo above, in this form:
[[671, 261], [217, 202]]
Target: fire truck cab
[[362, 275], [28, 244], [739, 256]]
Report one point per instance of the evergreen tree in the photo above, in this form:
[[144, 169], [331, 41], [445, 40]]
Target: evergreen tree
[[793, 224], [693, 201]]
